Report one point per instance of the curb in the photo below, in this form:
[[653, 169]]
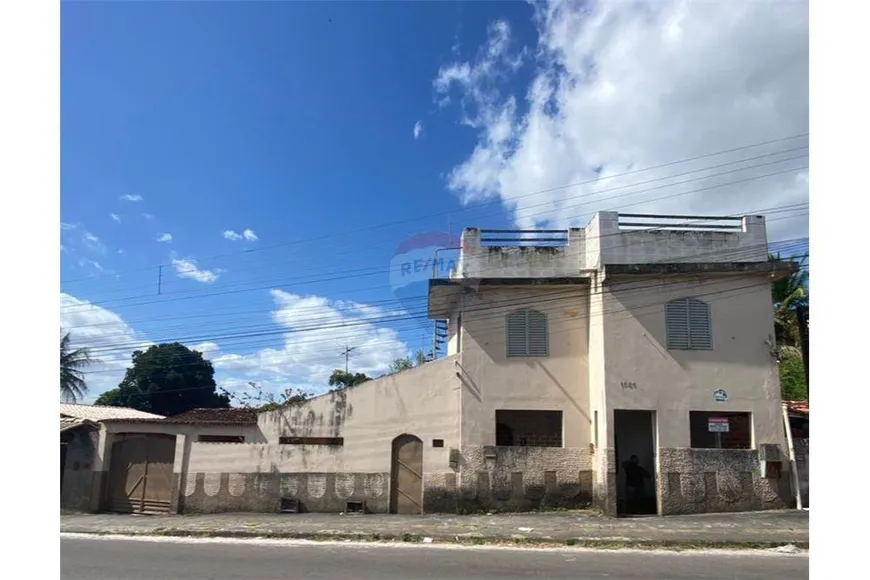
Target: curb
[[518, 541]]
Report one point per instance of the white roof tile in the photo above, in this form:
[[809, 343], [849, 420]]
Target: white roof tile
[[100, 413]]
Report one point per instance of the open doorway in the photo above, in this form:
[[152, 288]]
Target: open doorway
[[634, 433]]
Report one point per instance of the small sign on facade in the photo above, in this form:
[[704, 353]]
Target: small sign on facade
[[720, 396], [717, 424]]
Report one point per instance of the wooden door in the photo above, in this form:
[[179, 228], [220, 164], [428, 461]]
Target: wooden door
[[406, 489], [140, 474]]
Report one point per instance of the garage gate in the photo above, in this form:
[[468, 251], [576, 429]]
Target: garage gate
[[140, 474]]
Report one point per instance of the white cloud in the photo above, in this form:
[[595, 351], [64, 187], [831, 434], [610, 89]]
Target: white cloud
[[115, 217], [187, 268], [68, 227], [247, 235], [128, 197], [621, 86], [109, 338], [93, 243], [313, 330], [164, 238], [316, 331], [148, 216], [208, 349], [418, 130]]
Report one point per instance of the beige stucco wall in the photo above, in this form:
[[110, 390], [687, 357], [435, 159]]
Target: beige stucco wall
[[674, 382], [493, 381], [423, 401]]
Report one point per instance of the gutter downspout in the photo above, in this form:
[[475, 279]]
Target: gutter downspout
[[795, 479]]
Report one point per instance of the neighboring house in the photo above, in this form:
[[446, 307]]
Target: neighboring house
[[627, 337], [799, 421], [79, 441]]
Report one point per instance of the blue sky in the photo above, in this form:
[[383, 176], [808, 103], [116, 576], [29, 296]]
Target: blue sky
[[296, 122]]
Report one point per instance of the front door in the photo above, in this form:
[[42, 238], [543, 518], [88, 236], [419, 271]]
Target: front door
[[406, 476], [140, 474], [634, 433]]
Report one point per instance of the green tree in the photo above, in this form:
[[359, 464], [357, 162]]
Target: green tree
[[792, 379], [788, 294], [72, 364], [343, 380], [264, 401], [401, 364], [167, 379]]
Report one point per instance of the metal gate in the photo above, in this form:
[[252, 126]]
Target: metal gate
[[406, 489], [140, 474]]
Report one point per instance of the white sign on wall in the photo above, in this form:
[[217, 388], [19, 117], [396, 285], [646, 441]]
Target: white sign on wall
[[717, 424]]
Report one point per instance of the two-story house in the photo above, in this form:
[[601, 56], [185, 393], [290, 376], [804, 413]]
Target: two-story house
[[630, 346]]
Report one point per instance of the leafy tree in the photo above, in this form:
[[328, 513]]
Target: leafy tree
[[263, 401], [792, 379], [405, 363], [788, 294], [401, 364], [343, 380], [72, 364], [167, 379]]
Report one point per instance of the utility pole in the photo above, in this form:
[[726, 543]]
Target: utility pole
[[159, 279], [801, 313], [346, 353]]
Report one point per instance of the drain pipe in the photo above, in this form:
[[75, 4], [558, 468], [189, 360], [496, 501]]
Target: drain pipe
[[795, 478]]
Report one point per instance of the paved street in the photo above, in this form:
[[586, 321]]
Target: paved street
[[96, 558], [735, 529]]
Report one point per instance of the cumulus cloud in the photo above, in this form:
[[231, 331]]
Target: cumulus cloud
[[315, 331], [109, 338], [310, 332], [248, 235], [418, 130], [187, 268], [115, 217], [128, 197], [164, 238], [618, 87]]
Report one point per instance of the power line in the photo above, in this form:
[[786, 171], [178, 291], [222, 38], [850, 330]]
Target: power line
[[472, 206]]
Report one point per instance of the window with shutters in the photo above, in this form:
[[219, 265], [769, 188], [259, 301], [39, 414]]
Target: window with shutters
[[527, 333], [688, 325]]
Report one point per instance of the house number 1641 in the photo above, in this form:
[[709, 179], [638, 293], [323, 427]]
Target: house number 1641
[[629, 385]]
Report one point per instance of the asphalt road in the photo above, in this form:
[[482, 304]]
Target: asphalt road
[[165, 559]]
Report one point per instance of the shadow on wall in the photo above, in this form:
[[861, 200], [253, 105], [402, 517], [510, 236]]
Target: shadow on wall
[[644, 304]]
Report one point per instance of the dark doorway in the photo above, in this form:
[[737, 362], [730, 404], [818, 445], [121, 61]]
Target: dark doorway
[[634, 433], [406, 475]]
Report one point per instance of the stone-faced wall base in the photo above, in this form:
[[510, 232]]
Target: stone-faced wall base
[[263, 492], [717, 480], [523, 479]]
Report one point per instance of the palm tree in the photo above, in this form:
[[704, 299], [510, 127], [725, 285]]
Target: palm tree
[[788, 294], [72, 363]]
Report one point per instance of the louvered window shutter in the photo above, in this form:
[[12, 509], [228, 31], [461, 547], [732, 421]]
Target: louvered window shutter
[[537, 331], [687, 322], [527, 333], [677, 323], [700, 337], [516, 334]]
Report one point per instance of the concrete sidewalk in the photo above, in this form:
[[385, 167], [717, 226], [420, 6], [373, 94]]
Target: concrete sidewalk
[[742, 530]]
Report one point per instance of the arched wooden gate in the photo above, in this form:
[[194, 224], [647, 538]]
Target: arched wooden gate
[[140, 474], [406, 475]]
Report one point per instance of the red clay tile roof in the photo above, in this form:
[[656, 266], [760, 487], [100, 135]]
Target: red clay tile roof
[[234, 416], [797, 407], [231, 416]]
